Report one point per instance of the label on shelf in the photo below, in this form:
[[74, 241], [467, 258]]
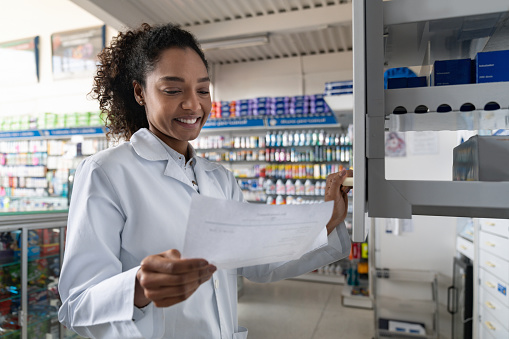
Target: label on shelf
[[225, 123], [305, 120], [51, 132]]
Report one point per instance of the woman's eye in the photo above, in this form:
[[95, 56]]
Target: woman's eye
[[172, 92], [204, 92]]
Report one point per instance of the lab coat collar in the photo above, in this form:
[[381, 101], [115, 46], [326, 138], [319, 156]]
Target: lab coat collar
[[147, 146]]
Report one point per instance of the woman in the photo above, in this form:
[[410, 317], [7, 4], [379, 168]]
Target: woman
[[130, 204]]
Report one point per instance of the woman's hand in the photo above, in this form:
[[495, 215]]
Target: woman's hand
[[334, 191], [166, 279]]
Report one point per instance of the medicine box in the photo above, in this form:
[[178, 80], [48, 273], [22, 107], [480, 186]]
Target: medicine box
[[482, 158], [492, 66], [452, 72]]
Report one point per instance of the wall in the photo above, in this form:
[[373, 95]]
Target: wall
[[27, 18], [282, 77]]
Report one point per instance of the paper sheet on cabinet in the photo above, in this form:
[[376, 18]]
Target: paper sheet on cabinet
[[231, 234]]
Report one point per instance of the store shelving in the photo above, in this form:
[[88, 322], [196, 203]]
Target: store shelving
[[385, 42]]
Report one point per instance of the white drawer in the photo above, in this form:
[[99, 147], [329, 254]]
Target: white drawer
[[495, 286], [497, 226], [495, 307], [490, 325], [465, 247], [494, 244], [493, 264]]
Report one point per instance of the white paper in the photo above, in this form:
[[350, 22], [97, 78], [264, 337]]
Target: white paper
[[231, 234]]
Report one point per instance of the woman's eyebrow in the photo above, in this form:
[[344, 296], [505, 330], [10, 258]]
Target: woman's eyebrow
[[179, 79]]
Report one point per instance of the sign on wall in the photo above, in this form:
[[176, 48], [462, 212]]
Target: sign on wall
[[19, 62], [75, 52]]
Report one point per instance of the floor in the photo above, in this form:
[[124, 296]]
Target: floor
[[292, 309]]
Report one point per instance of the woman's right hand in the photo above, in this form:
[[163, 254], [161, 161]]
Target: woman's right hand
[[165, 279]]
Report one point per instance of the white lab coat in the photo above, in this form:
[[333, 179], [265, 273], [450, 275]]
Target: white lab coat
[[132, 201]]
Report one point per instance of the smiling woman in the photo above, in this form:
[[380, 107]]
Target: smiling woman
[[123, 275]]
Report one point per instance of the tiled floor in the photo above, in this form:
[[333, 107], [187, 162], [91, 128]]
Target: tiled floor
[[293, 309]]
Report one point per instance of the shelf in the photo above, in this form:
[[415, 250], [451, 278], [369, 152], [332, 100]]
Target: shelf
[[454, 29], [56, 133], [445, 198], [387, 333], [325, 278], [30, 259], [229, 149], [405, 305], [455, 97], [283, 162]]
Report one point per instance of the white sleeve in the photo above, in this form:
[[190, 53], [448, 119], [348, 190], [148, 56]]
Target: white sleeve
[[97, 295]]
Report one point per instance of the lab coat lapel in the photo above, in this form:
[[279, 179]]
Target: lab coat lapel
[[148, 147], [207, 180]]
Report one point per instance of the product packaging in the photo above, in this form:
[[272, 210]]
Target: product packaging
[[482, 158], [452, 72], [492, 66]]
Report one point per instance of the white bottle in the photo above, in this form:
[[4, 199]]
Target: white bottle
[[270, 187], [309, 188], [280, 200], [299, 188], [290, 187], [318, 186], [280, 187]]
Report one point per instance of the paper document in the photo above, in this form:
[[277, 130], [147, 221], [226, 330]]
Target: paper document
[[231, 234]]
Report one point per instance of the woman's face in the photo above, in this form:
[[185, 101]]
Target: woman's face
[[177, 97]]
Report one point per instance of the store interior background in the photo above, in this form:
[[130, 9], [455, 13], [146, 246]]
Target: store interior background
[[428, 245]]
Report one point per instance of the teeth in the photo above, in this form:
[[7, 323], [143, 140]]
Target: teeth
[[188, 121]]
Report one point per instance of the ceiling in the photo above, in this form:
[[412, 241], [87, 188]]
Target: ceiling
[[292, 27]]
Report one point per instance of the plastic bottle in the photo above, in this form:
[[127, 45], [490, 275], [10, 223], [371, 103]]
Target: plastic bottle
[[280, 187], [279, 139], [302, 138], [270, 200], [285, 139], [290, 138], [318, 186], [321, 137], [290, 200], [308, 138], [280, 200], [290, 187], [322, 188], [267, 139], [299, 188], [314, 139], [272, 139], [309, 188], [270, 187]]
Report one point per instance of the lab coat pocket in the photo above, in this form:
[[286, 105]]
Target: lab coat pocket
[[241, 334]]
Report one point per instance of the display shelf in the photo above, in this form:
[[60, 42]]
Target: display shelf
[[56, 133], [30, 259], [350, 300], [387, 333], [229, 149], [325, 278], [454, 29]]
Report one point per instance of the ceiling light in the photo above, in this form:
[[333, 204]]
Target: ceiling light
[[235, 42]]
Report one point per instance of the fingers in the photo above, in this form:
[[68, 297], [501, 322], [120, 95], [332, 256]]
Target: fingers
[[170, 262], [153, 280], [333, 185]]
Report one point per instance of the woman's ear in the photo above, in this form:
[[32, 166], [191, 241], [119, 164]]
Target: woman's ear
[[138, 93]]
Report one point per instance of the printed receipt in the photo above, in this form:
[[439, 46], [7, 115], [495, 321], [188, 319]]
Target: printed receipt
[[231, 234]]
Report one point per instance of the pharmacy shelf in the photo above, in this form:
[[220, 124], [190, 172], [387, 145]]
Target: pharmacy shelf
[[411, 27], [324, 278], [56, 133]]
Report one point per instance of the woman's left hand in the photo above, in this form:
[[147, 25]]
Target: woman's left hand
[[334, 191]]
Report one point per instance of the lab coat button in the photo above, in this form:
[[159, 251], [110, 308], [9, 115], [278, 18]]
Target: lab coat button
[[216, 284]]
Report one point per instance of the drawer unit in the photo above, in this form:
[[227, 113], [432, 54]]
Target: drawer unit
[[495, 307], [493, 264], [497, 226], [495, 286], [491, 326], [465, 247], [494, 244]]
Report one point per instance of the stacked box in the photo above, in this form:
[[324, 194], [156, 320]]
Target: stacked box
[[262, 106], [83, 119], [95, 119], [242, 108], [406, 82], [317, 104], [71, 120], [338, 87], [15, 124], [482, 158], [225, 109], [452, 72], [5, 124], [492, 66], [50, 120], [299, 104]]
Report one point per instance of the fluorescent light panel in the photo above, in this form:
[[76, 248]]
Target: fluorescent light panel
[[235, 42]]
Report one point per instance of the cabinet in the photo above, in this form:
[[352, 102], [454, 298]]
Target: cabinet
[[413, 33], [30, 262]]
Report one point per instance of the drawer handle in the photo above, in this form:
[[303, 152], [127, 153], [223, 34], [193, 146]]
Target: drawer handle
[[463, 247], [490, 325], [490, 305], [490, 244], [490, 285], [490, 264]]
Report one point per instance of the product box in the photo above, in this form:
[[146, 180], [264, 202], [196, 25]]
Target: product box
[[413, 82], [396, 83], [452, 72], [492, 66], [482, 158]]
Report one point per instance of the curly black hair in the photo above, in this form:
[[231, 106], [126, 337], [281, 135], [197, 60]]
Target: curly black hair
[[130, 57]]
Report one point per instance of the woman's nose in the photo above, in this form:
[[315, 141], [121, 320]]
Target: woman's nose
[[191, 102]]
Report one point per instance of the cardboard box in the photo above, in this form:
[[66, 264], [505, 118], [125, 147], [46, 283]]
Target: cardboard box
[[492, 66], [482, 158], [452, 72]]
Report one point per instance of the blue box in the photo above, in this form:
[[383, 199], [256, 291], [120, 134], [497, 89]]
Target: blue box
[[281, 111], [395, 83], [417, 82], [492, 66], [452, 72]]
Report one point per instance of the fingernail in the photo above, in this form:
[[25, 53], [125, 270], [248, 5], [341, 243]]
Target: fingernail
[[212, 269]]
